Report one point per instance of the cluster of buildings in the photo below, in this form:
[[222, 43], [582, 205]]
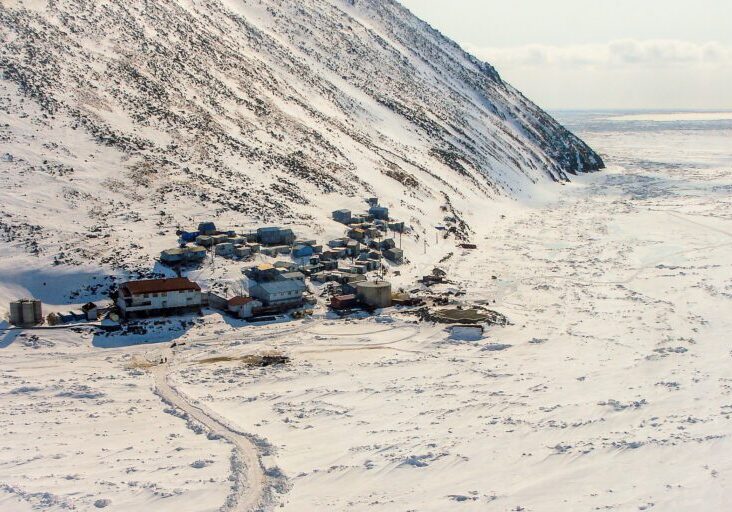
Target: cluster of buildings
[[270, 241], [272, 288], [29, 312], [367, 232]]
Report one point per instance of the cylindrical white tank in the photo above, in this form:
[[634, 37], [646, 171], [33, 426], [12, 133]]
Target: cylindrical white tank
[[26, 312], [16, 313], [374, 294]]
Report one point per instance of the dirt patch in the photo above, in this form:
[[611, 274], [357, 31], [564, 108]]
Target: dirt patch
[[475, 315], [254, 360]]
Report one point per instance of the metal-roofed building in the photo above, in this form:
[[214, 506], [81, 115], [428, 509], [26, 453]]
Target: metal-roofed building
[[158, 296], [279, 293]]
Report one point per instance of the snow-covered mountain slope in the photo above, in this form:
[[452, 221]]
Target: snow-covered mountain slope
[[125, 117]]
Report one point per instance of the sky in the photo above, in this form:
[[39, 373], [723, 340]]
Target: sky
[[599, 54]]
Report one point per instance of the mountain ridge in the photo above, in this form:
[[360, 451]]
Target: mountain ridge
[[270, 110]]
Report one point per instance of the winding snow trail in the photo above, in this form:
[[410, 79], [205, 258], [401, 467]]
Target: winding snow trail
[[249, 489]]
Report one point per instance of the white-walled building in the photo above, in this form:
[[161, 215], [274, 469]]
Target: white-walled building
[[243, 307], [279, 293], [158, 297]]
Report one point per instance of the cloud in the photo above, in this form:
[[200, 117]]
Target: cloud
[[620, 53]]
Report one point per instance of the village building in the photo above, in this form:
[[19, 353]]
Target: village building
[[338, 242], [394, 254], [396, 226], [275, 236], [387, 244], [219, 239], [269, 251], [188, 236], [91, 311], [286, 266], [262, 272], [279, 293], [293, 275], [341, 302], [303, 251], [243, 307], [158, 297], [356, 234], [204, 240], [342, 216], [207, 228], [379, 212], [183, 255], [242, 251], [353, 248], [225, 250], [373, 233], [311, 269]]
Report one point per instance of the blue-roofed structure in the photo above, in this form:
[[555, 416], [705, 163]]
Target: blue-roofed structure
[[303, 251]]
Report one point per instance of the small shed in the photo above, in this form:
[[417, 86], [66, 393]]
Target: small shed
[[243, 306], [242, 251], [225, 249], [340, 302], [91, 311], [395, 255]]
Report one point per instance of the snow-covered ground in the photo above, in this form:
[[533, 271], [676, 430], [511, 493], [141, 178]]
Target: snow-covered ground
[[610, 390]]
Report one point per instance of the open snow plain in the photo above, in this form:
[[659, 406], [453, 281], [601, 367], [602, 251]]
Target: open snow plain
[[610, 390]]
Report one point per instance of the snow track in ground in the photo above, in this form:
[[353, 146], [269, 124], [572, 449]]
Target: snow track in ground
[[249, 489]]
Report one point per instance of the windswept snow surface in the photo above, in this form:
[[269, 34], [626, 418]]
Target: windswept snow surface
[[611, 389]]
